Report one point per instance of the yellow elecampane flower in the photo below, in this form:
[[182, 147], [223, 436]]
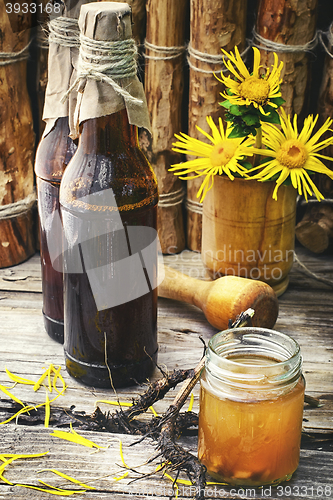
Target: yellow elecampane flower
[[257, 88], [222, 156], [294, 154]]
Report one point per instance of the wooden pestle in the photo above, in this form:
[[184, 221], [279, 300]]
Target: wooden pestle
[[224, 298]]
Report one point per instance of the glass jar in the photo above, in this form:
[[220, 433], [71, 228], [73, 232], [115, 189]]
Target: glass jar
[[251, 407]]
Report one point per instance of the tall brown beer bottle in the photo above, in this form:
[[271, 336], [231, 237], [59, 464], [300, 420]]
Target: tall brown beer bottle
[[108, 201], [53, 154]]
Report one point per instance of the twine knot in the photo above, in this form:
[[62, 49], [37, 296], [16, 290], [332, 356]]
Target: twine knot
[[106, 62]]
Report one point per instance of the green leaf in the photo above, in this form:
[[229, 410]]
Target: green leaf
[[278, 101], [246, 164], [287, 182], [268, 108], [273, 117], [236, 132], [251, 119], [225, 104], [236, 110]]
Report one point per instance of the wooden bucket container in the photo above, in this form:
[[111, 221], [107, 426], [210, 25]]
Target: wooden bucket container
[[17, 199], [247, 233]]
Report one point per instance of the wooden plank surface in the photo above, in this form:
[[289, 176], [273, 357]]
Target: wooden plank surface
[[305, 313]]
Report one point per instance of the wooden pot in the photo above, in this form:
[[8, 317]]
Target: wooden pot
[[247, 233]]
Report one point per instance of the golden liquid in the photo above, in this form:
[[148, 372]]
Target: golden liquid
[[250, 442]]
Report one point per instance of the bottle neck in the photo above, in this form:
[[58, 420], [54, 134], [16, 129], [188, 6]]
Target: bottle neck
[[108, 135], [55, 151]]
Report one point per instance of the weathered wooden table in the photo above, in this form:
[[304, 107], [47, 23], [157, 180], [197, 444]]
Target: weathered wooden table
[[305, 313]]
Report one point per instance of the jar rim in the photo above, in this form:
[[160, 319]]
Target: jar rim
[[263, 345]]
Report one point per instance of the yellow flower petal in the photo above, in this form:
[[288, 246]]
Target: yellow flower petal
[[69, 478], [55, 378], [251, 89], [41, 380], [47, 411], [153, 411], [121, 477], [190, 406], [115, 403], [8, 393], [121, 454], [74, 437], [222, 150], [294, 154], [9, 458], [19, 380]]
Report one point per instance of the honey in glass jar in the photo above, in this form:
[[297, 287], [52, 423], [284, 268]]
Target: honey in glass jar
[[251, 407]]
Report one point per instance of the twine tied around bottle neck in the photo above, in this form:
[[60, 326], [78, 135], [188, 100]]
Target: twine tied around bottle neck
[[106, 62], [42, 37], [64, 31]]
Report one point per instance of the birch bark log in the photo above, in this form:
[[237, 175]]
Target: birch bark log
[[164, 84], [16, 143], [214, 24], [315, 230], [290, 23]]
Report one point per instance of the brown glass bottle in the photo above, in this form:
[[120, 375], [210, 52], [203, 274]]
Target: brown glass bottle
[[53, 154], [120, 338]]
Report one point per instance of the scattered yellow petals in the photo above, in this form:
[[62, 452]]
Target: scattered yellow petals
[[122, 403], [14, 398], [174, 483], [159, 467], [121, 477], [8, 458], [55, 378], [49, 376], [47, 411], [5, 480], [2, 468], [121, 454], [153, 411], [24, 455], [209, 483], [19, 380], [41, 380], [59, 489], [115, 403], [190, 406], [75, 438], [26, 409], [69, 478]]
